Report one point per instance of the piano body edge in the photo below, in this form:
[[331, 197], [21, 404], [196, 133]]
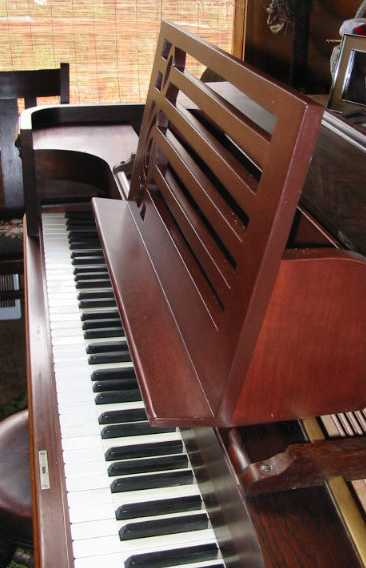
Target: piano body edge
[[50, 514]]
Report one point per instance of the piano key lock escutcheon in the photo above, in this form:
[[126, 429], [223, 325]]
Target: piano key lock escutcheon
[[206, 299]]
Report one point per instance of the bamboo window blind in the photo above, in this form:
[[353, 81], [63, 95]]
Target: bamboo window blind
[[110, 44]]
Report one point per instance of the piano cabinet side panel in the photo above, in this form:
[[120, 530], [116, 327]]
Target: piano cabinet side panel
[[282, 530], [310, 357], [52, 541]]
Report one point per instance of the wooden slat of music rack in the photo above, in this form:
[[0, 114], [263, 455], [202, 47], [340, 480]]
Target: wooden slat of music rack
[[214, 197]]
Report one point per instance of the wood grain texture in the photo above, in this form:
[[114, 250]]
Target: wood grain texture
[[229, 230], [69, 153], [312, 337], [279, 530], [50, 521], [305, 465], [158, 352]]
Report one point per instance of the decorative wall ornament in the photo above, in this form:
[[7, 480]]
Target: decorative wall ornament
[[280, 15]]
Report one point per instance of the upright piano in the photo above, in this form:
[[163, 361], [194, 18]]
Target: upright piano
[[195, 335]]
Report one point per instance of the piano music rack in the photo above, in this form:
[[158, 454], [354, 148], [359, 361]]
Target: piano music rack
[[226, 326]]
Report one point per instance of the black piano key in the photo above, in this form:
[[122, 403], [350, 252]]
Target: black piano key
[[88, 304], [158, 507], [85, 239], [147, 465], [72, 214], [126, 373], [113, 357], [80, 245], [153, 481], [81, 254], [98, 274], [80, 224], [173, 557], [112, 397], [90, 269], [101, 283], [133, 429], [144, 450], [83, 232], [88, 260], [103, 333], [106, 347], [160, 527], [98, 295], [118, 416], [114, 385], [100, 316], [102, 323]]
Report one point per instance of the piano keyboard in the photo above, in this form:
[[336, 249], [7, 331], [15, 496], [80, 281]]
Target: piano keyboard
[[132, 496]]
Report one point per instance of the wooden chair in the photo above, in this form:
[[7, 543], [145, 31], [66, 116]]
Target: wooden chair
[[14, 85], [15, 485]]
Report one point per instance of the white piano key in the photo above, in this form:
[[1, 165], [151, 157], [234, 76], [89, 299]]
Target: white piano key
[[115, 561], [98, 504], [91, 442], [111, 527], [105, 545], [87, 407], [81, 367], [82, 470], [91, 504], [205, 564]]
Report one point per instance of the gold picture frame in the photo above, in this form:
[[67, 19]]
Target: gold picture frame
[[348, 92]]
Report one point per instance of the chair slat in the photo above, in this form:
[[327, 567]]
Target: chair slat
[[27, 85]]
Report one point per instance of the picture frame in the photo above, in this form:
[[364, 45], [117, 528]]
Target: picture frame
[[348, 92]]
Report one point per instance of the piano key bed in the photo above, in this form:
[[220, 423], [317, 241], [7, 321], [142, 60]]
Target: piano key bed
[[132, 496]]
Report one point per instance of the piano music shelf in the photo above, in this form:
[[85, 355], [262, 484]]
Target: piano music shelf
[[256, 334], [165, 372]]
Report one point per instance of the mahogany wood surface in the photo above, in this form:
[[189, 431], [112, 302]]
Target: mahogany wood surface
[[304, 465], [334, 189], [111, 143], [310, 358], [293, 528], [154, 339], [69, 152], [260, 332], [50, 513]]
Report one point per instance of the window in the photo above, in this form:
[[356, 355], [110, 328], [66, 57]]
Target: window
[[110, 44]]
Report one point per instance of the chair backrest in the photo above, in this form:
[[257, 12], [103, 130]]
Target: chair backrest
[[27, 85]]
